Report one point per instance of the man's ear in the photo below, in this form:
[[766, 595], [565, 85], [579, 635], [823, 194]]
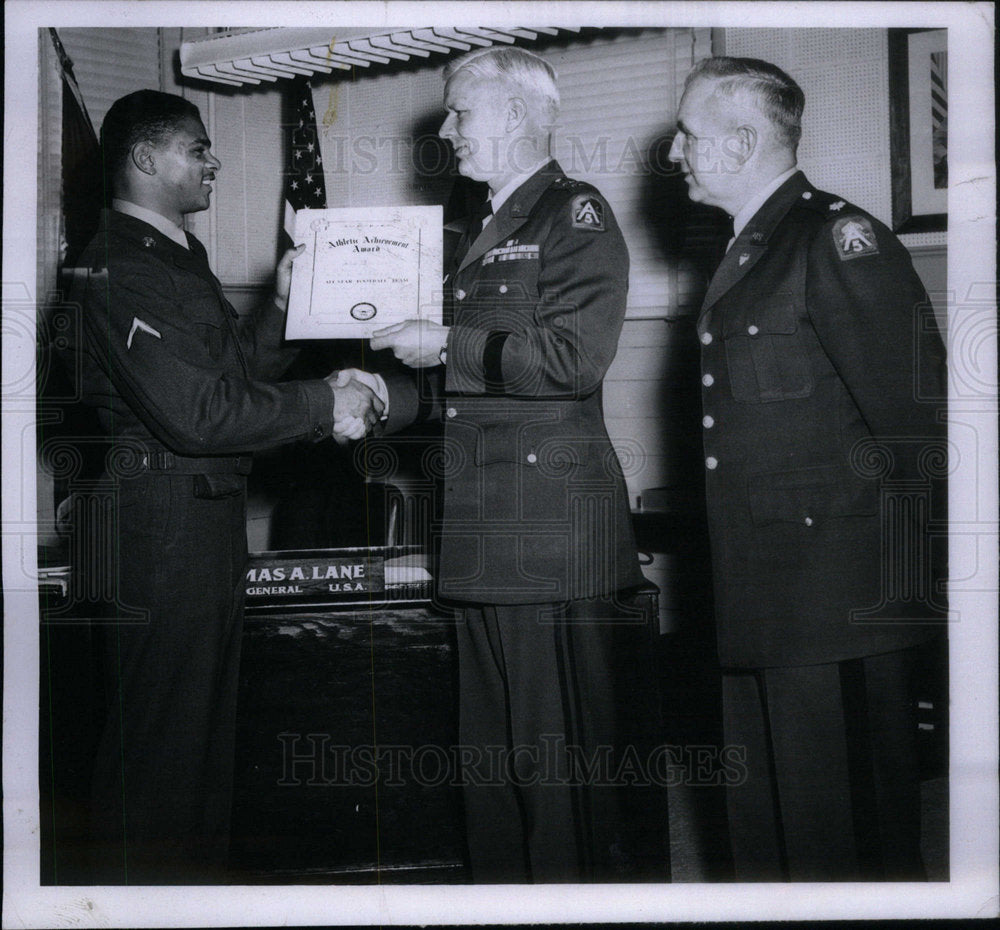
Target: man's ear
[[746, 143], [517, 110], [142, 157]]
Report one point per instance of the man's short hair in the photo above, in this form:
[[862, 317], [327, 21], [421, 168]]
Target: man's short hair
[[516, 66], [775, 94], [145, 114]]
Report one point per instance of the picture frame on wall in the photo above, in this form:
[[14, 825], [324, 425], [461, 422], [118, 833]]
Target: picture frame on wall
[[918, 119]]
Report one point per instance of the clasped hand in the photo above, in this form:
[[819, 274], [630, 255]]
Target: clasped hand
[[357, 407], [417, 343]]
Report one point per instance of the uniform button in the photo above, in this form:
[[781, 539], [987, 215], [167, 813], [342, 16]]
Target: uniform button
[[706, 339], [532, 458], [707, 380], [707, 421], [752, 330], [711, 463], [807, 195], [451, 412], [459, 294], [809, 521], [503, 288]]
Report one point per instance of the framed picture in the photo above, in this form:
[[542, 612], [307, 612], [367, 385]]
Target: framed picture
[[918, 114]]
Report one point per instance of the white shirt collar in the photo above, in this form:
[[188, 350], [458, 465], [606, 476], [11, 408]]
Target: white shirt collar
[[748, 209], [157, 220], [503, 195]]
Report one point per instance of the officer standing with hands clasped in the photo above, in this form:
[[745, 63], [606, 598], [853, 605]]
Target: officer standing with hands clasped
[[182, 388], [824, 431], [536, 543]]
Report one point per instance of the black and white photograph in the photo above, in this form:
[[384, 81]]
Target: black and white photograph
[[498, 463]]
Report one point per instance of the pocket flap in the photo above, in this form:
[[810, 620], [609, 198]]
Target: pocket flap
[[811, 495], [206, 311], [761, 319], [550, 444]]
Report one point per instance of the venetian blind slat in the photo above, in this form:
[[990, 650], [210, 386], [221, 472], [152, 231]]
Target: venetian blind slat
[[109, 63]]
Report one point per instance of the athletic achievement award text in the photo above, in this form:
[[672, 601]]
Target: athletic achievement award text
[[364, 269]]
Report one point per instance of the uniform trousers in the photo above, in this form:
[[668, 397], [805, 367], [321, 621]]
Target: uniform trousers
[[832, 786], [551, 697], [162, 788]]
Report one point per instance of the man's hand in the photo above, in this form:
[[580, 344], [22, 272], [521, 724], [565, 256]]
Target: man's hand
[[283, 276], [356, 408], [417, 343]]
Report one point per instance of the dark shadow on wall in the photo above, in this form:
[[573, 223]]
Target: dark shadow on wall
[[690, 239]]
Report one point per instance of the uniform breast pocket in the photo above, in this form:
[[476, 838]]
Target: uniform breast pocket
[[510, 270], [767, 354], [211, 337], [208, 324]]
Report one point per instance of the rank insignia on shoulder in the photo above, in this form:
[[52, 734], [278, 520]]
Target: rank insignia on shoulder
[[588, 213], [148, 241], [854, 237], [837, 205]]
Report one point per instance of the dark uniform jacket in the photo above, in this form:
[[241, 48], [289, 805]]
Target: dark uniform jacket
[[168, 364], [823, 387], [534, 503], [174, 377]]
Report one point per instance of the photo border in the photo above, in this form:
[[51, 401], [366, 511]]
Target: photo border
[[972, 279]]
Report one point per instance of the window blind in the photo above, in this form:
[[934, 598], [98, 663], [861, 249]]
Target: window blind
[[110, 63]]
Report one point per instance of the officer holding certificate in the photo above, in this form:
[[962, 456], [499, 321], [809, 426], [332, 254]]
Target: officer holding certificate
[[536, 544]]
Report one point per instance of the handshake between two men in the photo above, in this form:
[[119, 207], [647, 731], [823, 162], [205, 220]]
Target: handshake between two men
[[361, 397]]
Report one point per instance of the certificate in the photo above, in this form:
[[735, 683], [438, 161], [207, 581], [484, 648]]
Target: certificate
[[363, 269]]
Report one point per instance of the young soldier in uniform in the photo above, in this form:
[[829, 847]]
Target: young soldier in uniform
[[181, 388], [822, 380], [535, 537]]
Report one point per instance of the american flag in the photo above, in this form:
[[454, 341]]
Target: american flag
[[305, 186]]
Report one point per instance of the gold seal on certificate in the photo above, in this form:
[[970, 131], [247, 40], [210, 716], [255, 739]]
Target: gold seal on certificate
[[364, 269]]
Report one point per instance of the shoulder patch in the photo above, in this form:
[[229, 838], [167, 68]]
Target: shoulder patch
[[587, 212], [854, 237]]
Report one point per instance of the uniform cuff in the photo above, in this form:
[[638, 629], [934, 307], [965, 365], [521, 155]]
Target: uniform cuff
[[320, 403], [382, 392]]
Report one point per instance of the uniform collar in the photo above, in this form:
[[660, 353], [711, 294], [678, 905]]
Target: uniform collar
[[751, 243], [191, 258], [512, 214], [758, 200], [157, 220], [498, 199]]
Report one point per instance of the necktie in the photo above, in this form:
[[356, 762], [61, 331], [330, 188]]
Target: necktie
[[483, 215], [732, 234], [479, 218]]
